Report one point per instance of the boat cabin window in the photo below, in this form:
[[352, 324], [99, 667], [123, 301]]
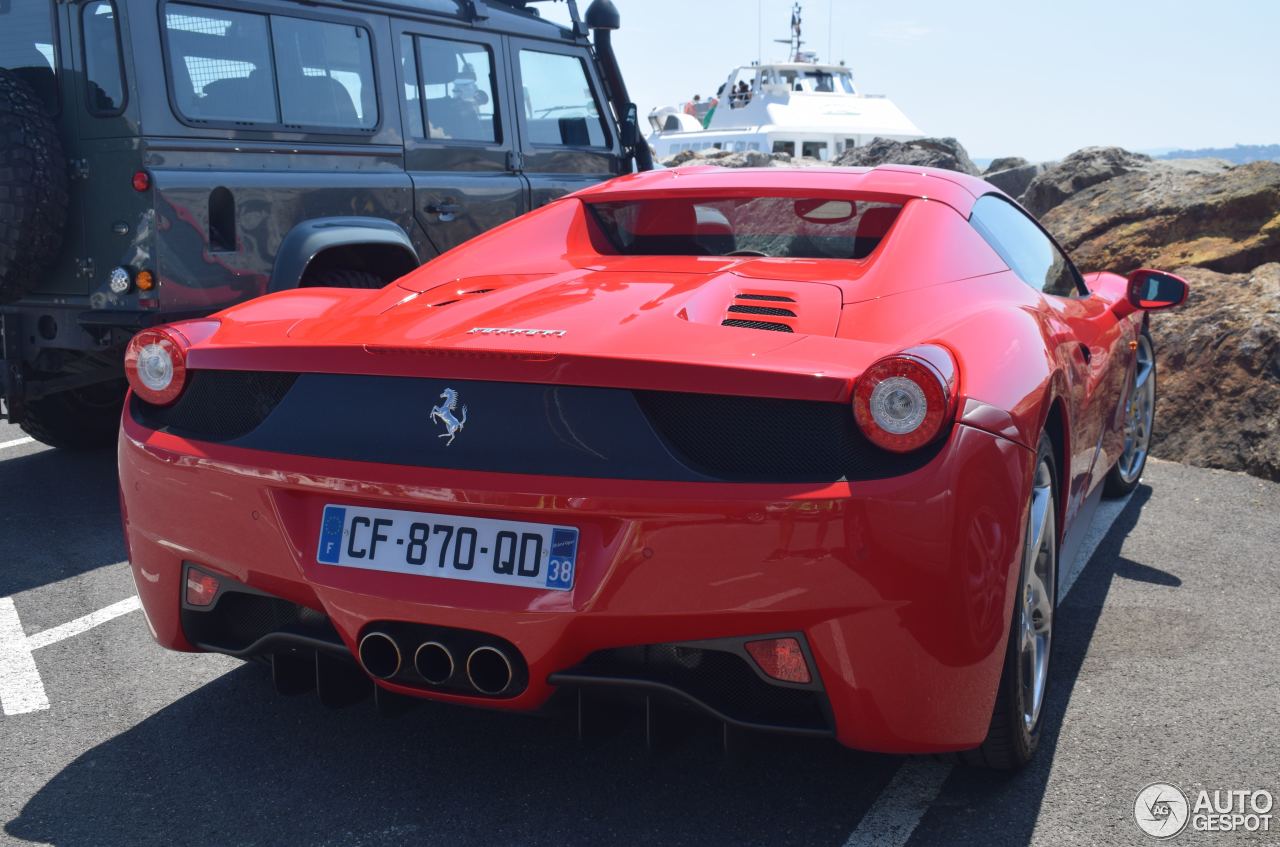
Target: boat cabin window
[[782, 227], [814, 150], [788, 147], [819, 81]]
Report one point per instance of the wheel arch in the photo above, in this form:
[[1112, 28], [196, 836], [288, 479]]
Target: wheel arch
[[1056, 426], [354, 243]]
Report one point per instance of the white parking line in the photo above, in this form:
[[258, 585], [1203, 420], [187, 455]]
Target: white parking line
[[55, 634], [898, 810], [17, 442], [21, 689]]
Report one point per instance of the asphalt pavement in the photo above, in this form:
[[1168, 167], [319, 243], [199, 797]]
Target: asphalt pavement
[[1166, 670]]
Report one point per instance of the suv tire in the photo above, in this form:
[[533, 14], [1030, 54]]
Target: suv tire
[[80, 419], [33, 188]]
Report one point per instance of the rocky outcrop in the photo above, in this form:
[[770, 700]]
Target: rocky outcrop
[[1082, 169], [944, 153], [1218, 371], [1075, 173], [1167, 214], [1015, 180], [1004, 163], [1219, 226]]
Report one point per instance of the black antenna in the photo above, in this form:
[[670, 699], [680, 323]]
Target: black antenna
[[794, 42]]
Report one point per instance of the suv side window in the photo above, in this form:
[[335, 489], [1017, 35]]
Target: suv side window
[[559, 107], [325, 73], [1024, 247], [456, 88], [104, 71], [220, 64], [236, 67]]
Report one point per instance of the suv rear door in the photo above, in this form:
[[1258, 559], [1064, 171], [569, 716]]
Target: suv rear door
[[459, 142], [566, 141]]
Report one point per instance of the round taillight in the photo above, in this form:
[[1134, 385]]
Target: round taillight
[[903, 402], [141, 181], [155, 363]]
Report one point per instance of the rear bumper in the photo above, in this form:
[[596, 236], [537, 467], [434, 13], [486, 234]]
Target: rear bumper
[[900, 588]]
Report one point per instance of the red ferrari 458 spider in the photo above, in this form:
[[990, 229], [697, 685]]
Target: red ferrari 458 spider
[[801, 449]]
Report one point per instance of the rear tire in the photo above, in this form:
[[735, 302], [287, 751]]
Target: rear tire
[[33, 188], [342, 278], [1014, 732], [80, 419]]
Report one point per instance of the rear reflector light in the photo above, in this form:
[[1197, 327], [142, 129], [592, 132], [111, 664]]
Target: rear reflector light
[[202, 588], [155, 363], [781, 658], [904, 401], [141, 181]]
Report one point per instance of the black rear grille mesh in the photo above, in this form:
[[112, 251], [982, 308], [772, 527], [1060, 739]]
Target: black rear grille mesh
[[218, 405], [759, 438], [774, 297], [770, 325], [762, 310]]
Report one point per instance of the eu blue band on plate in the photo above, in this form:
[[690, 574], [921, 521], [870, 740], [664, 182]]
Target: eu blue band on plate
[[564, 553], [335, 518]]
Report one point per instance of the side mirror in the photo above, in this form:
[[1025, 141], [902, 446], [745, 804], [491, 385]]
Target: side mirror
[[1150, 289], [629, 129]]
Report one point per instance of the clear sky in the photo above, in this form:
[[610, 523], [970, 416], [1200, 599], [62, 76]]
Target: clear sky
[[1036, 79]]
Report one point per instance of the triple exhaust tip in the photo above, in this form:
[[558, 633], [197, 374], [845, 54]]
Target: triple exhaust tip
[[380, 655], [489, 670]]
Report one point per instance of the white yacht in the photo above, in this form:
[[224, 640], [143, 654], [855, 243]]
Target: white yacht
[[800, 107]]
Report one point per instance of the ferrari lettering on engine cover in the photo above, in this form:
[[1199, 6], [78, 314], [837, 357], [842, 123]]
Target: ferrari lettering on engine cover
[[503, 330]]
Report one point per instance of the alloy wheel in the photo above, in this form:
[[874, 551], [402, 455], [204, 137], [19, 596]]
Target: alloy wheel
[[1140, 411], [1036, 601]]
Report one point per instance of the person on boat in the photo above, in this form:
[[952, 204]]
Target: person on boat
[[691, 108], [712, 103]]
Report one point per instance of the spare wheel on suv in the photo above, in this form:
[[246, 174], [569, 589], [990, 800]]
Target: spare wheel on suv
[[33, 188]]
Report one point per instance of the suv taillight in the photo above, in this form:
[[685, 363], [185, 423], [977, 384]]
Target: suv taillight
[[155, 363], [904, 401]]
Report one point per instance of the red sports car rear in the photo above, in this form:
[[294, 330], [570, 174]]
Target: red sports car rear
[[796, 449]]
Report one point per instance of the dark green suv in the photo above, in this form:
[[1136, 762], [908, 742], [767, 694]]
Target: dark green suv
[[161, 160]]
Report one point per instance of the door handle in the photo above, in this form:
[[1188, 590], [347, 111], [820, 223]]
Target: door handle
[[447, 211]]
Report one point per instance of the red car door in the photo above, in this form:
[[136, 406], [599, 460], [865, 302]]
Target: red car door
[[1092, 345], [1085, 337]]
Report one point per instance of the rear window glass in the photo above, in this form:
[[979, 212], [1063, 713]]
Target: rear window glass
[[222, 69], [26, 46], [786, 227], [102, 58]]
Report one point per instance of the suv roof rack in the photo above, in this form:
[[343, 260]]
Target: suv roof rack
[[475, 10]]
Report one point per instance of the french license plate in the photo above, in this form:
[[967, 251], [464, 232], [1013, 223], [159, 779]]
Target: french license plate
[[532, 555]]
